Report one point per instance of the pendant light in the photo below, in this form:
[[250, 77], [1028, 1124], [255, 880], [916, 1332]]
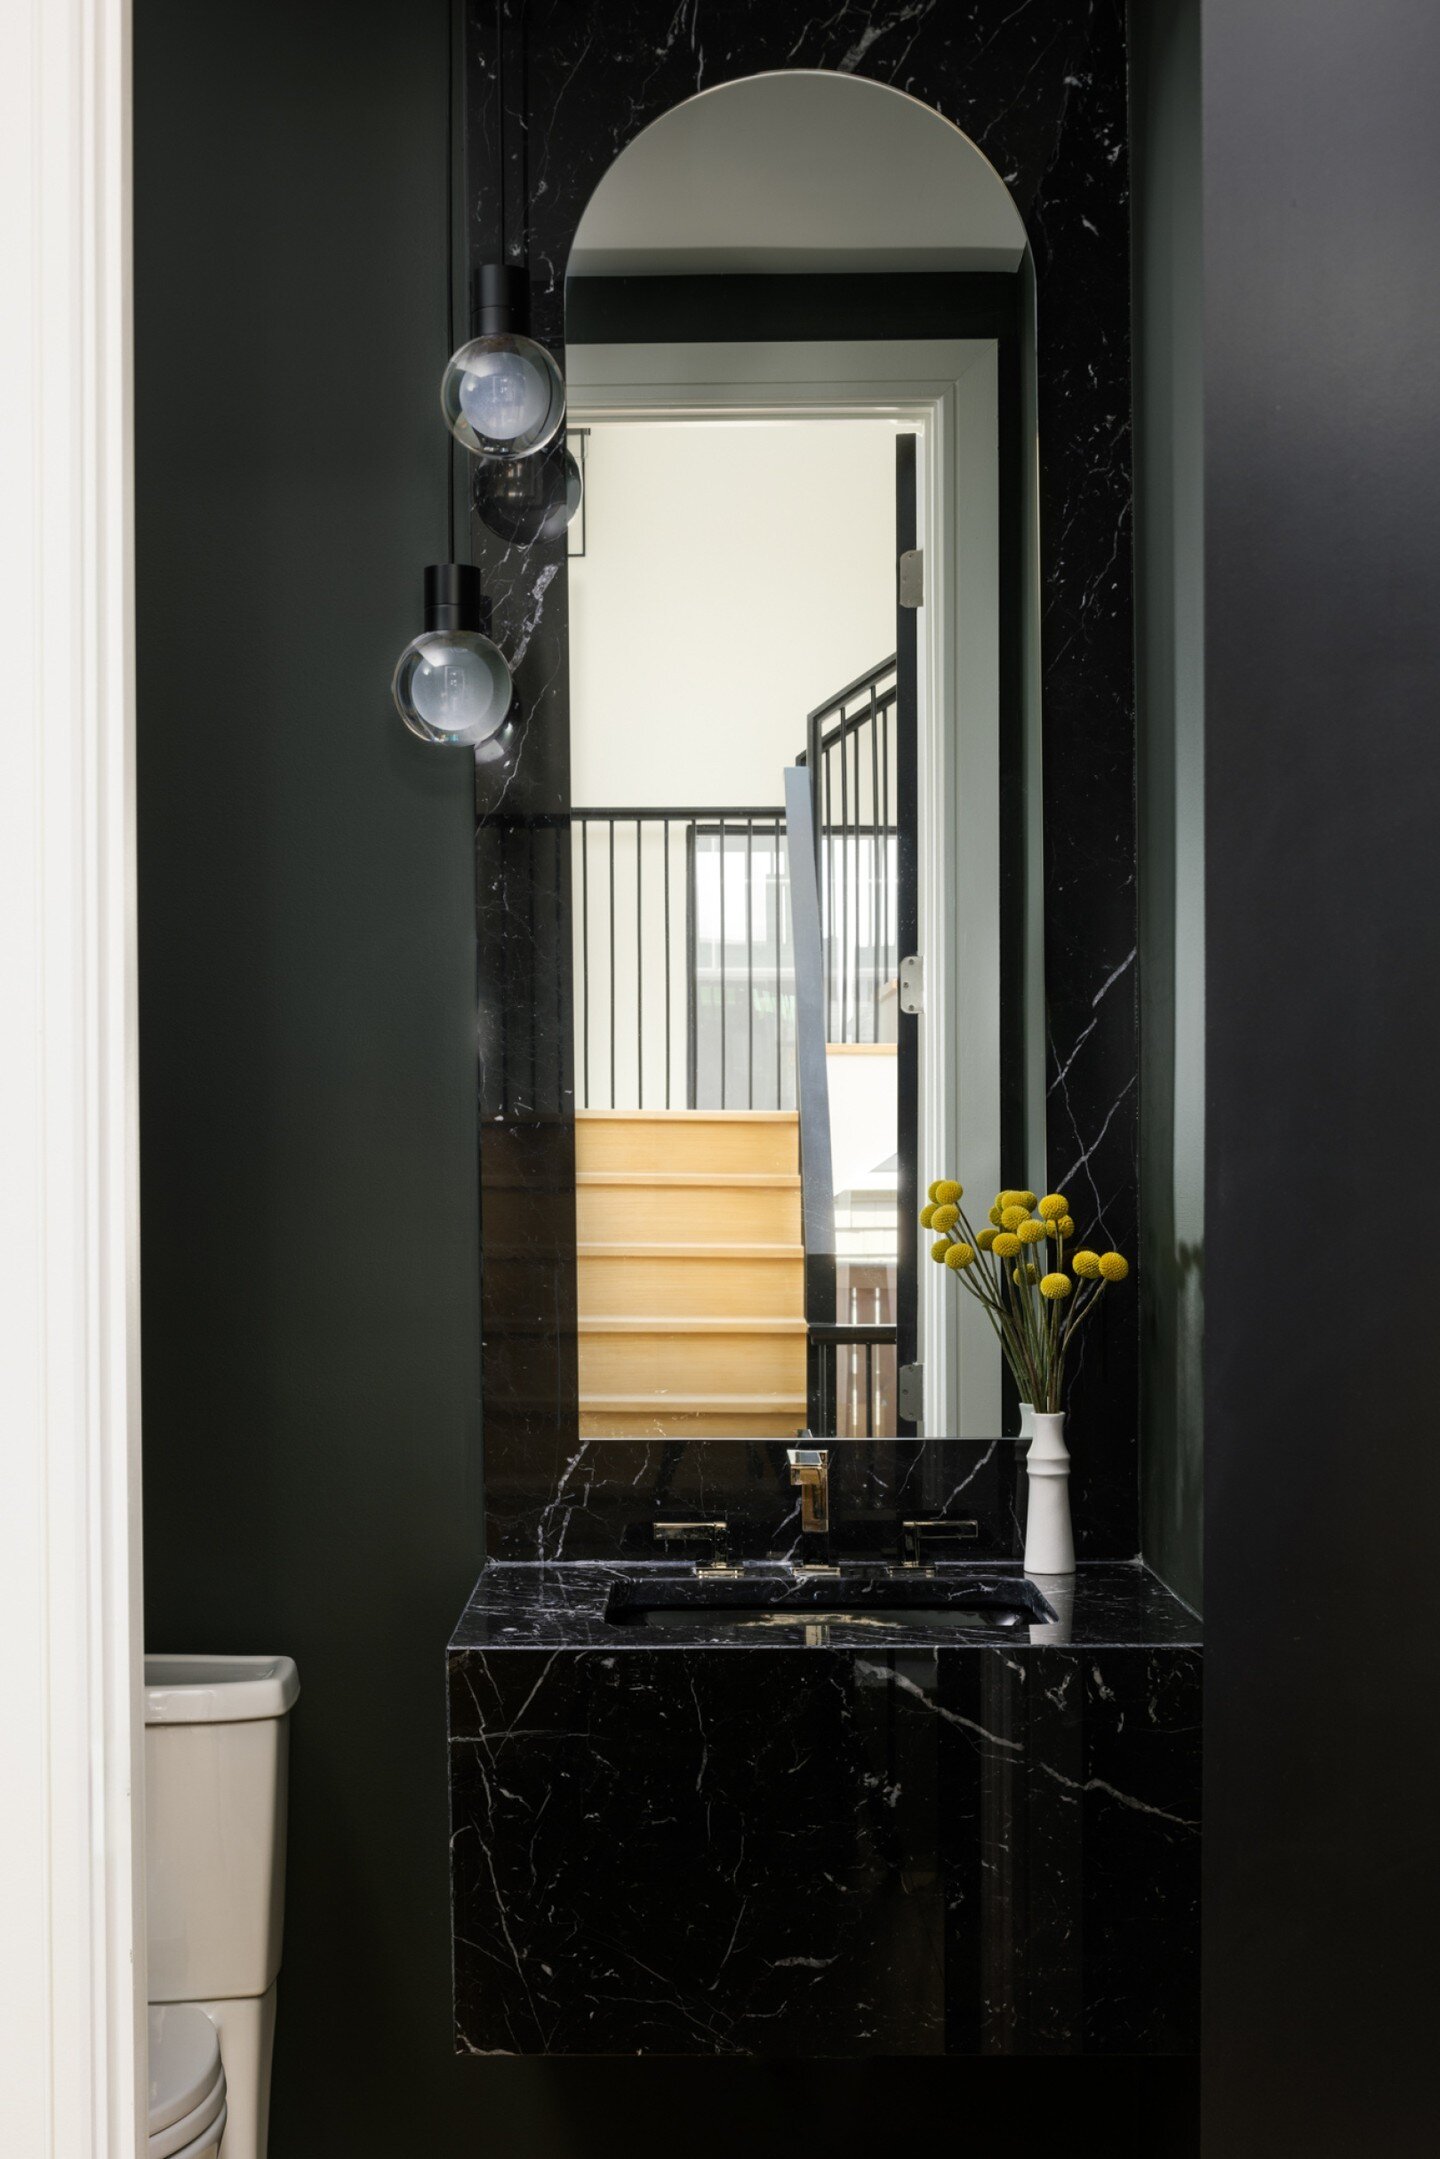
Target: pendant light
[[502, 394], [523, 499], [451, 683]]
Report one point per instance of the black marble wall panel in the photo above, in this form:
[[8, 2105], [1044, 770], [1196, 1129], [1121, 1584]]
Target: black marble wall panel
[[806, 1850], [1040, 87], [611, 1491]]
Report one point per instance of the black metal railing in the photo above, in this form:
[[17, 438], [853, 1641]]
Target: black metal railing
[[851, 1381], [850, 1363], [851, 753], [684, 969]]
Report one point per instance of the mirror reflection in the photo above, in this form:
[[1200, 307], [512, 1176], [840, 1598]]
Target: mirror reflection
[[797, 630], [733, 616]]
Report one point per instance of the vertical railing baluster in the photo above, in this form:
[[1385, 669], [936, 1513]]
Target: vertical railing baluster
[[749, 963], [874, 868], [585, 948], [890, 972], [692, 967], [844, 937], [775, 890], [665, 828], [611, 829], [855, 738], [722, 962], [639, 965], [827, 828]]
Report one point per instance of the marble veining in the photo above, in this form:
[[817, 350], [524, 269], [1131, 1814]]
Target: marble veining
[[821, 1846], [555, 89], [606, 1494], [521, 1604]]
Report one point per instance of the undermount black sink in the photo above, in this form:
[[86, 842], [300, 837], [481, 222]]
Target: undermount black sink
[[947, 1599]]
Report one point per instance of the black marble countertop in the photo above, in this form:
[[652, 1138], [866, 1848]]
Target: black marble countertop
[[519, 1604]]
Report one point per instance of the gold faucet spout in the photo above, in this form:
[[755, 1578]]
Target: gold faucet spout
[[810, 1470]]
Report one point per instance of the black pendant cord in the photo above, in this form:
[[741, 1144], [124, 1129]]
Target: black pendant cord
[[451, 13], [501, 127]]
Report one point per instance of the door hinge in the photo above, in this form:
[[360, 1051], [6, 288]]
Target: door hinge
[[912, 983], [912, 577], [912, 1393]]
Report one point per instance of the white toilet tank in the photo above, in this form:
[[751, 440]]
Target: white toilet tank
[[216, 1748]]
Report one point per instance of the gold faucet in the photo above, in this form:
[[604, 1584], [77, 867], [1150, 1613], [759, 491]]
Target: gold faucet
[[810, 1469]]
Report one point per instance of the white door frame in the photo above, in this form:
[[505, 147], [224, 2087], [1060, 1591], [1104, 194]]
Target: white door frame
[[72, 1969], [948, 390]]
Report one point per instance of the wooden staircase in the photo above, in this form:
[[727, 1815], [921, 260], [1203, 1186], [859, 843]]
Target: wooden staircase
[[691, 1274]]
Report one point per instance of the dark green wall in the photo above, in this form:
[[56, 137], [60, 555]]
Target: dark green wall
[[1322, 1471], [1170, 683], [306, 943]]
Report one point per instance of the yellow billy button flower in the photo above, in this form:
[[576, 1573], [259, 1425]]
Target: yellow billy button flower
[[995, 1214], [1030, 1232], [1028, 1273], [1053, 1206], [1056, 1286], [933, 1191], [1113, 1266], [986, 1238], [1066, 1227], [947, 1191], [1011, 1217], [1007, 1244], [1086, 1265], [1023, 1199], [927, 1214], [938, 1250], [960, 1255], [945, 1217]]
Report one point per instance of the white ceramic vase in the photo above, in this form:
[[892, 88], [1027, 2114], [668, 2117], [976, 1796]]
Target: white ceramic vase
[[1049, 1545]]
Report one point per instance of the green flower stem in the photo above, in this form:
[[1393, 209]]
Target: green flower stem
[[983, 1291], [1023, 1330]]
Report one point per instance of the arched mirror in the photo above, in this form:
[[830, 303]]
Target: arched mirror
[[807, 971]]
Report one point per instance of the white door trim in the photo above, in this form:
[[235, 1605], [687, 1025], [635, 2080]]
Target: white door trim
[[72, 1978], [948, 390]]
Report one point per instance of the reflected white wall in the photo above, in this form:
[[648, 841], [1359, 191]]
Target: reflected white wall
[[736, 573]]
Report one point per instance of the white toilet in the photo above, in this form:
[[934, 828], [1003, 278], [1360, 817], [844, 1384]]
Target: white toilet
[[216, 1749]]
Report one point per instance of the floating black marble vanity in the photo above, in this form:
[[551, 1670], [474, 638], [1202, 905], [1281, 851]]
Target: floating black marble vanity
[[805, 1831]]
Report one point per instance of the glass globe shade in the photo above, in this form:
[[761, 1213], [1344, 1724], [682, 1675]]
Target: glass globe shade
[[523, 499], [503, 396], [452, 686]]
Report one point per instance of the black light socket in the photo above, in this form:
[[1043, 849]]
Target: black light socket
[[453, 599], [501, 299]]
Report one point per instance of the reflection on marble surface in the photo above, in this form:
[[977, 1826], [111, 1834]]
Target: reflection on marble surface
[[1040, 86], [908, 1846]]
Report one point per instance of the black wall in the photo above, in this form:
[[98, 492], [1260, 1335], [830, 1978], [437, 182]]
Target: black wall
[[1322, 481]]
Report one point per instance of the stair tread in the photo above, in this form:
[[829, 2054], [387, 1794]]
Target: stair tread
[[700, 1404], [686, 1116], [694, 1179], [690, 1251], [685, 1323]]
